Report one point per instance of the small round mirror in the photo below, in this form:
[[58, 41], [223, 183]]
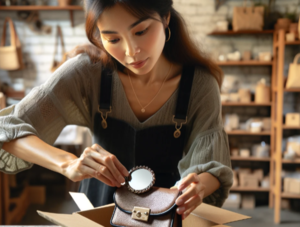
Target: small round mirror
[[140, 179]]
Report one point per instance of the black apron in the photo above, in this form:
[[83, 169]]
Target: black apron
[[155, 147]]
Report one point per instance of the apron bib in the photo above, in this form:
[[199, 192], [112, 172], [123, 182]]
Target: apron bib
[[159, 147]]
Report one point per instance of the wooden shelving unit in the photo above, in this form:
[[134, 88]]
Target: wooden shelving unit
[[278, 95], [270, 134], [291, 89], [249, 32], [70, 8], [33, 7], [249, 189], [286, 127], [289, 195], [254, 159], [245, 104], [246, 133], [245, 63]]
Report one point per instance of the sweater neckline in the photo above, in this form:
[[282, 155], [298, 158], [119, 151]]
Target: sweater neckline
[[120, 88]]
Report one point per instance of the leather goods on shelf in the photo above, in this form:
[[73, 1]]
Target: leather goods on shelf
[[56, 64], [262, 92], [248, 18], [283, 23], [293, 80], [156, 207], [64, 2], [10, 56]]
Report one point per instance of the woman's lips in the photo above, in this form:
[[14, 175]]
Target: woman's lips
[[139, 64]]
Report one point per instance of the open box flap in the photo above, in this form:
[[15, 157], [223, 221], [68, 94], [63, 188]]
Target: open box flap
[[68, 220], [217, 215], [81, 201]]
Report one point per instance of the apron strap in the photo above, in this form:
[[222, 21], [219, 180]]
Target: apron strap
[[184, 94], [106, 90]]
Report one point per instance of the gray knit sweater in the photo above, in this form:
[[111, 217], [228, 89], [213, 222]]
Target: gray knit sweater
[[71, 95]]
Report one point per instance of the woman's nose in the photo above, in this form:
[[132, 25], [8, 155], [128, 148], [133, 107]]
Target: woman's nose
[[131, 49]]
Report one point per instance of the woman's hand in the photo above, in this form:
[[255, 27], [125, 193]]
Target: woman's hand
[[98, 163], [192, 196]]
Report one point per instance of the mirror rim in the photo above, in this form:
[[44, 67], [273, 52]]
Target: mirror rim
[[143, 190]]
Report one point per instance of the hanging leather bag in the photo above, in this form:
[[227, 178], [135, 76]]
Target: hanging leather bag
[[56, 64], [155, 207], [248, 18], [10, 56], [293, 80]]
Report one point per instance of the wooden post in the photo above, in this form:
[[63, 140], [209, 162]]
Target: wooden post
[[279, 112]]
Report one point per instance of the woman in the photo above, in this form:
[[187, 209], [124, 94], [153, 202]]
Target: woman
[[147, 94]]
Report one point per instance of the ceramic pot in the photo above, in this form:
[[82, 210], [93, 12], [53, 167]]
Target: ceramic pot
[[64, 2]]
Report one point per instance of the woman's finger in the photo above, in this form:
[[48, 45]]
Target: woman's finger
[[93, 173], [191, 178], [192, 202], [120, 167], [188, 212], [192, 190], [107, 159], [101, 170]]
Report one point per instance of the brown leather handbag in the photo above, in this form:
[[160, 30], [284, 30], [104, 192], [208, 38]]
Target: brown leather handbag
[[55, 63], [155, 207], [11, 56]]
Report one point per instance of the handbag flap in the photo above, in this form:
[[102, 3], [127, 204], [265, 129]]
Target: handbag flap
[[158, 200]]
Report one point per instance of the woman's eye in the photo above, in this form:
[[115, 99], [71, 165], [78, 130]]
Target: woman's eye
[[141, 32], [113, 40]]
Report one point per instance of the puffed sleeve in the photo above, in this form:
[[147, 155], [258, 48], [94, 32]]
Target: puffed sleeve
[[207, 148], [62, 100]]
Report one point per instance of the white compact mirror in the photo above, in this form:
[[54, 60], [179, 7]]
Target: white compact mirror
[[140, 179]]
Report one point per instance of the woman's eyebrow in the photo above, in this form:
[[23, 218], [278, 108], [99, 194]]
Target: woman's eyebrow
[[130, 27]]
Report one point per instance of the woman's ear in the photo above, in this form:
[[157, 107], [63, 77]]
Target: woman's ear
[[167, 19]]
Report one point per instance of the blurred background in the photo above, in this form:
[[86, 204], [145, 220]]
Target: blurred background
[[254, 42]]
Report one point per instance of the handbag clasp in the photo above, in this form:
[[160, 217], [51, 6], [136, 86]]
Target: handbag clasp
[[140, 213]]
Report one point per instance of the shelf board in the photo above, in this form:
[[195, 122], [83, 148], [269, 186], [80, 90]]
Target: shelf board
[[297, 42], [290, 195], [292, 89], [34, 7], [244, 63], [246, 133], [256, 159], [286, 127], [249, 32], [245, 104], [296, 161], [249, 189]]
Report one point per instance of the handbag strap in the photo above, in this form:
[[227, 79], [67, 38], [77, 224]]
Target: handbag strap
[[14, 39], [296, 59], [59, 35]]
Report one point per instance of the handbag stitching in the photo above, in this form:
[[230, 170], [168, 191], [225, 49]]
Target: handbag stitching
[[179, 221], [151, 214]]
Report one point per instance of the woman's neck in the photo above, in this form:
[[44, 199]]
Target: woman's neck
[[162, 69]]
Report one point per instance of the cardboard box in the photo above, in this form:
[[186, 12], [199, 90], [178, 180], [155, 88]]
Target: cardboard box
[[259, 173], [248, 201], [292, 119], [291, 185], [248, 180], [204, 215], [233, 201]]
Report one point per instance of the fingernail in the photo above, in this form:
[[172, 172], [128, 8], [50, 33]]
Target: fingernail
[[180, 209], [121, 179], [179, 202]]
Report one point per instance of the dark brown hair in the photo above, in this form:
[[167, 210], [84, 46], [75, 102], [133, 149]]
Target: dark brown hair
[[179, 49]]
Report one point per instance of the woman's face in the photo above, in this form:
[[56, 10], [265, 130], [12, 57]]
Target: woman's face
[[129, 39]]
